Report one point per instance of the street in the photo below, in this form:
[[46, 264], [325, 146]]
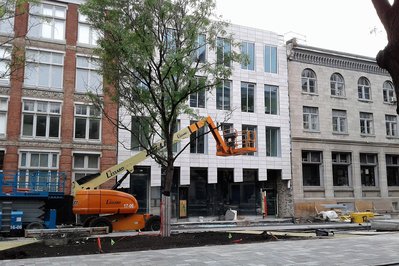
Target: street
[[380, 249]]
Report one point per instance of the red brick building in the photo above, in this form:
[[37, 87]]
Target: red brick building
[[47, 122]]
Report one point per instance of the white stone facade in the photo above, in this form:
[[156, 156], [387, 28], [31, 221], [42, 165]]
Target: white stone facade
[[356, 195], [258, 118]]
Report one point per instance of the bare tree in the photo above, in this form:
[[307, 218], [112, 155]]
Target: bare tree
[[389, 57]]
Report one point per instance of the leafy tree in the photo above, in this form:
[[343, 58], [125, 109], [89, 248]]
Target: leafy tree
[[389, 57], [154, 57]]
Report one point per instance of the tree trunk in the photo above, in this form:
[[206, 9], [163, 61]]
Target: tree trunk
[[166, 206], [165, 215]]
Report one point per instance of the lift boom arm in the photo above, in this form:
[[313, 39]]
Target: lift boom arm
[[91, 182]]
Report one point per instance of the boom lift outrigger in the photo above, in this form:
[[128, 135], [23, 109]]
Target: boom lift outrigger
[[118, 209]]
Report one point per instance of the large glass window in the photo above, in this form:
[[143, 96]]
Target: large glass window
[[85, 164], [311, 118], [368, 169], [197, 140], [5, 59], [363, 89], [247, 97], [273, 142], [341, 164], [248, 131], [86, 33], [388, 92], [44, 69], [339, 120], [248, 49], [140, 133], [366, 123], [197, 99], [223, 52], [198, 192], [41, 119], [271, 100], [38, 170], [337, 85], [223, 92], [270, 59], [88, 77], [7, 17], [309, 81], [47, 21], [87, 122], [312, 162], [391, 125], [200, 52], [392, 162], [3, 116]]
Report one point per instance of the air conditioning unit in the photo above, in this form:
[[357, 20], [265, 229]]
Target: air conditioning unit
[[392, 99]]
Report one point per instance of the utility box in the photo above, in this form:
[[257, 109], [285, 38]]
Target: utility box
[[361, 217]]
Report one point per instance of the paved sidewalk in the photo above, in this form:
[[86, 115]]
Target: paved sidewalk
[[349, 250]]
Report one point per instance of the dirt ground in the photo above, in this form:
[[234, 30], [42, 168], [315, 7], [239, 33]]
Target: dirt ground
[[88, 246]]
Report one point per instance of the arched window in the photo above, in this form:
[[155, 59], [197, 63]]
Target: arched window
[[363, 89], [337, 85], [388, 92], [309, 81]]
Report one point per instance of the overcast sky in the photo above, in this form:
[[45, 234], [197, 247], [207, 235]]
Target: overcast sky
[[343, 25]]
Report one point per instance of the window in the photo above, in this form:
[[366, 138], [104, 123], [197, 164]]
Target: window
[[248, 130], [7, 17], [200, 53], [366, 123], [392, 162], [87, 122], [5, 59], [341, 164], [270, 59], [223, 95], [363, 89], [86, 33], [339, 121], [85, 164], [273, 141], [41, 119], [38, 170], [311, 118], [271, 100], [368, 169], [388, 92], [197, 140], [312, 162], [44, 69], [247, 97], [47, 21], [197, 99], [140, 133], [88, 77], [3, 116], [391, 125], [337, 85], [223, 52], [309, 81], [248, 49]]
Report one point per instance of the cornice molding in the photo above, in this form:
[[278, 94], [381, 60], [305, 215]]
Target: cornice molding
[[316, 56]]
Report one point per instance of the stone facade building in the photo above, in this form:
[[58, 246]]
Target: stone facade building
[[207, 185], [344, 131]]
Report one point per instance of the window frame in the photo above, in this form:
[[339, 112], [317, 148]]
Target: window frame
[[93, 70], [391, 164], [246, 97], [223, 52], [364, 89], [339, 121], [85, 170], [388, 92], [93, 34], [198, 141], [310, 162], [89, 118], [366, 123], [268, 90], [391, 126], [270, 63], [365, 167], [308, 76], [277, 142], [337, 85], [246, 49], [311, 118], [338, 162], [221, 89]]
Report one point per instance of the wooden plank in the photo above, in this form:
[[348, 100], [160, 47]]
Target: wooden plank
[[83, 231]]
